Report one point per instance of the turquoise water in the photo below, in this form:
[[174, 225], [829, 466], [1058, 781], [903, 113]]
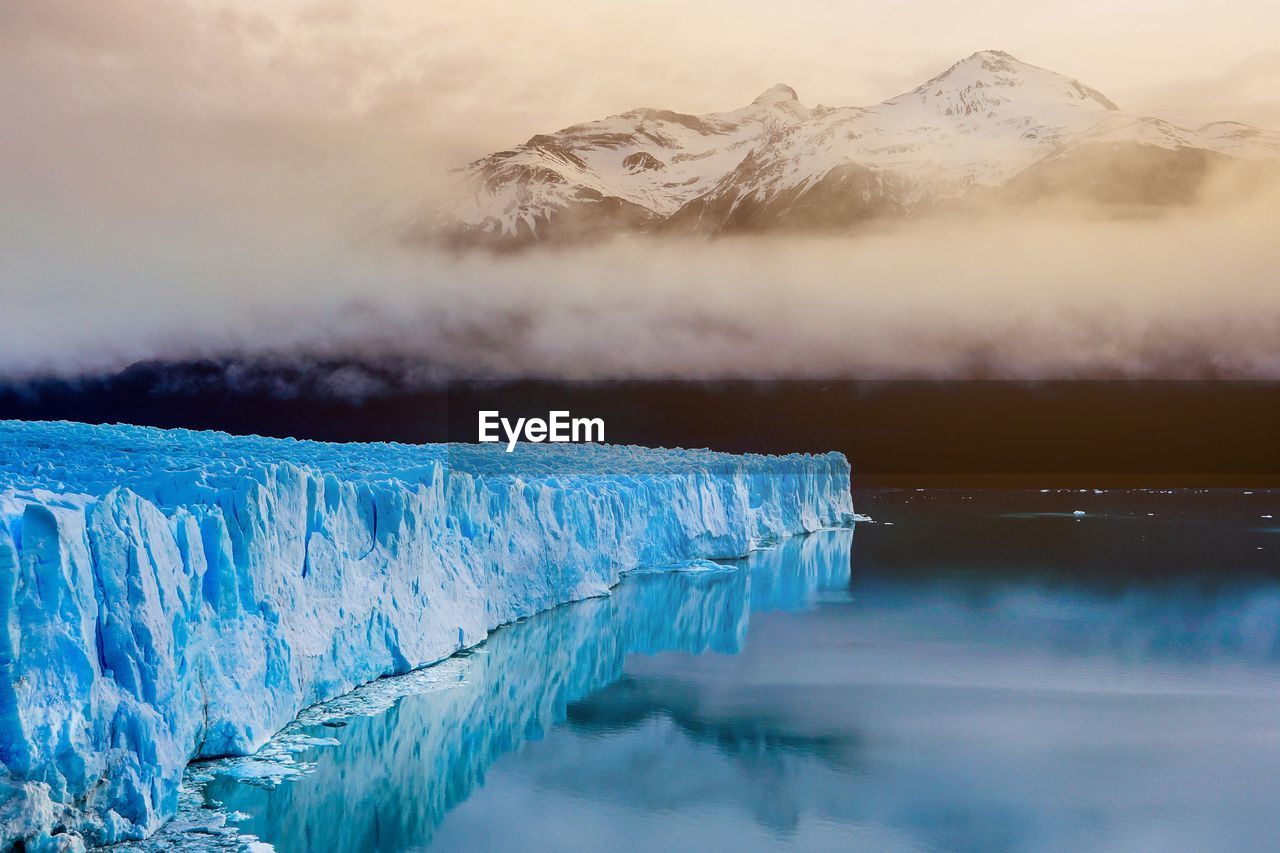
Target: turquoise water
[[976, 672]]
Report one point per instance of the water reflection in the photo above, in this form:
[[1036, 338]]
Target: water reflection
[[395, 775], [985, 683], [991, 675]]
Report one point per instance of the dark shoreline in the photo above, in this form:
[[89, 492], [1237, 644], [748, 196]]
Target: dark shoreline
[[898, 433]]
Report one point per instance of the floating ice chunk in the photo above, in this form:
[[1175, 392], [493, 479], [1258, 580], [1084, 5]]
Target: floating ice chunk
[[685, 566]]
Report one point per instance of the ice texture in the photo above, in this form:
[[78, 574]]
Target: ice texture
[[522, 683], [170, 595]]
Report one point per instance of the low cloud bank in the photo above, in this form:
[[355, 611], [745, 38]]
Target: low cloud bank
[[1186, 295]]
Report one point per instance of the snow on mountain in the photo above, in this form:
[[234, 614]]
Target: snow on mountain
[[989, 124], [634, 168], [171, 595]]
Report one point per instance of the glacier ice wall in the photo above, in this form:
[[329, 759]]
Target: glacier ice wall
[[170, 595], [513, 693], [519, 689]]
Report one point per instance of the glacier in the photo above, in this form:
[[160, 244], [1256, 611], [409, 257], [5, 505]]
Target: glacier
[[462, 715], [170, 595]]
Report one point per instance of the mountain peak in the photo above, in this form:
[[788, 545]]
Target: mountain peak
[[989, 127], [993, 80], [993, 56], [779, 92], [989, 64]]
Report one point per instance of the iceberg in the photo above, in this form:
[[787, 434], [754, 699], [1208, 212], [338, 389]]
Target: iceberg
[[169, 595]]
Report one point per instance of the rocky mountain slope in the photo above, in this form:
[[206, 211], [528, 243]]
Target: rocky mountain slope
[[989, 128]]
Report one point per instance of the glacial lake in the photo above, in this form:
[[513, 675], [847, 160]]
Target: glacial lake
[[986, 671]]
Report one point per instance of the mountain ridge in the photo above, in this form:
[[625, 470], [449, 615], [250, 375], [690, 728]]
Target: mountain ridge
[[988, 127]]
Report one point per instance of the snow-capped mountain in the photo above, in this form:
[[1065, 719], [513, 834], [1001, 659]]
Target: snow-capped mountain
[[989, 127]]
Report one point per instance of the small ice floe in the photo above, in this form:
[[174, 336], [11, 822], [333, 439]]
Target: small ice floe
[[1268, 516], [267, 774], [686, 566], [887, 523], [1078, 513], [702, 566]]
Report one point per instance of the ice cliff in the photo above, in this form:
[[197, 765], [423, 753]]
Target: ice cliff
[[170, 595], [525, 684]]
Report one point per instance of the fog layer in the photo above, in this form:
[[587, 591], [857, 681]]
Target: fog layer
[[201, 180], [1189, 294]]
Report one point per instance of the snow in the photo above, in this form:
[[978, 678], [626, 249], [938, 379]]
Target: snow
[[976, 125], [528, 185], [169, 594]]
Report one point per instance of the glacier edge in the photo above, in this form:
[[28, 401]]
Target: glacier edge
[[170, 595]]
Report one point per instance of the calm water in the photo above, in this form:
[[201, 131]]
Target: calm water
[[985, 672]]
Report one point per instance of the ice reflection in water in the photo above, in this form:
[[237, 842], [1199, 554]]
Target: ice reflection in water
[[394, 776], [983, 682]]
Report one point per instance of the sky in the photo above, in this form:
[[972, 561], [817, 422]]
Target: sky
[[179, 170], [400, 89]]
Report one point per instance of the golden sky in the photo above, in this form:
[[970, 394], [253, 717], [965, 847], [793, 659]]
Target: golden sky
[[470, 77], [337, 108], [171, 170], [521, 67]]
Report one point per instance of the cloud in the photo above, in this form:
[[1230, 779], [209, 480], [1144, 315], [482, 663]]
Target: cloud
[[186, 180], [1245, 90], [1184, 295]]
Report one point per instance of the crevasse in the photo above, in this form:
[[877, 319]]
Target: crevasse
[[170, 595]]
